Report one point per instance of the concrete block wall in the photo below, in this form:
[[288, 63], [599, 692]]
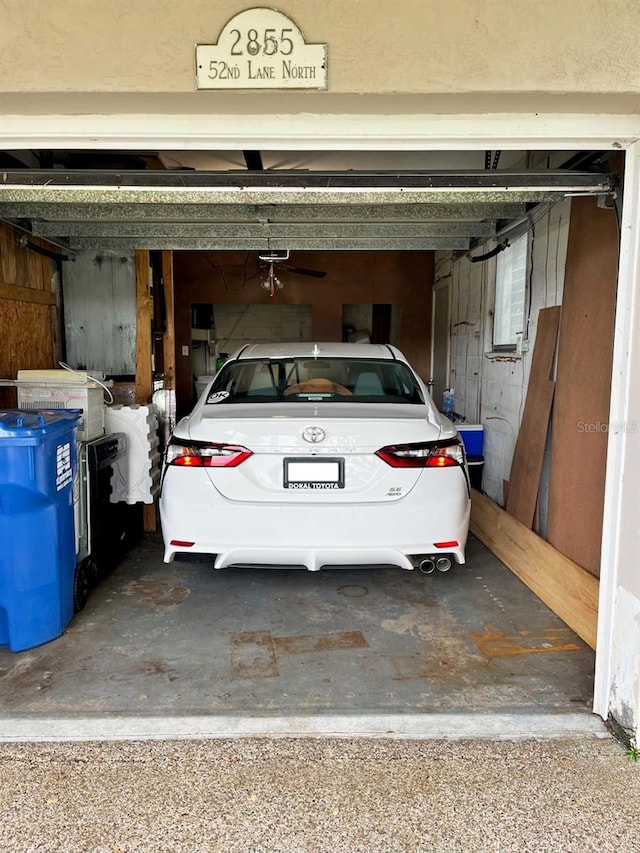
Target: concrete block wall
[[491, 387]]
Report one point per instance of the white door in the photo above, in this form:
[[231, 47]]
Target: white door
[[440, 342]]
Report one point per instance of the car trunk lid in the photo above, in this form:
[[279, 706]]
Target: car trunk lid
[[316, 452]]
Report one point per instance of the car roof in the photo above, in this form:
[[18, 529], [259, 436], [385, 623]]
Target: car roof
[[327, 349]]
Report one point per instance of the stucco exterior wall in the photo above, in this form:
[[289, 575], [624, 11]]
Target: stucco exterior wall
[[411, 46], [75, 60]]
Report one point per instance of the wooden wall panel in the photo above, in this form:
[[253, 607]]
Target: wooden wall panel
[[23, 267], [29, 330], [583, 384], [8, 267], [25, 332], [403, 279]]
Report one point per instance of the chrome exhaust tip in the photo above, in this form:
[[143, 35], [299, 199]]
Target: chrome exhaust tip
[[426, 566], [443, 564]]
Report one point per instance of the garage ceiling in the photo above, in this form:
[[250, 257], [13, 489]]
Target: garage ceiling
[[262, 209]]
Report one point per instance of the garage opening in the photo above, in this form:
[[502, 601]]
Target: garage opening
[[496, 283]]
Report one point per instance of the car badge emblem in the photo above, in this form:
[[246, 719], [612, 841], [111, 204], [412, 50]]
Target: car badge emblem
[[314, 434]]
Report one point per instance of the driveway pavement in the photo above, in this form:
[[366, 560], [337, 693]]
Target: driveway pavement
[[313, 795]]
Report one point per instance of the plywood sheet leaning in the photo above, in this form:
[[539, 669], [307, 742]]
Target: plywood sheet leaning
[[524, 480], [583, 385], [564, 586]]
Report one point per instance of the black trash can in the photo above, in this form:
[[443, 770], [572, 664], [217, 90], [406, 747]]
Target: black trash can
[[476, 467]]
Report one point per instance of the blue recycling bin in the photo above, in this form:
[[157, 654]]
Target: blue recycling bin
[[38, 460]]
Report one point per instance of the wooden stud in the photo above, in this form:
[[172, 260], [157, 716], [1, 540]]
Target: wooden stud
[[568, 589], [8, 268], [169, 340], [56, 342], [150, 518], [144, 369]]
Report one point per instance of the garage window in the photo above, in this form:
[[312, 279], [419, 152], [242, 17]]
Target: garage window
[[511, 280]]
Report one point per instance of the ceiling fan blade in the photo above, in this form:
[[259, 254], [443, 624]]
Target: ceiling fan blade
[[304, 271]]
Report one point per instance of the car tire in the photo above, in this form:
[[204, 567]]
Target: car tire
[[80, 587]]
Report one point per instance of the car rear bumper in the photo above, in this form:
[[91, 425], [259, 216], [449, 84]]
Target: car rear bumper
[[315, 535]]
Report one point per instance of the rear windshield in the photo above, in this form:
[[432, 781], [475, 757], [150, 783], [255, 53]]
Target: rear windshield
[[292, 380]]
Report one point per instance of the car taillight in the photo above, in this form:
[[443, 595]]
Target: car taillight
[[202, 454], [428, 455]]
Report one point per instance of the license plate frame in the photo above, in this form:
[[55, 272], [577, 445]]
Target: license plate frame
[[298, 473]]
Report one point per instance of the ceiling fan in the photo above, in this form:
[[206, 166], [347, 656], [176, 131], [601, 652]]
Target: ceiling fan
[[277, 259]]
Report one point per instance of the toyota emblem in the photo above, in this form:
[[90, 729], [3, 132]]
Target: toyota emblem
[[314, 434]]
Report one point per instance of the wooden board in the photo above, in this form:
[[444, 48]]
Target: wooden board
[[27, 294], [169, 339], [524, 480], [8, 265], [144, 370], [583, 383], [20, 265], [25, 332], [29, 318], [564, 586]]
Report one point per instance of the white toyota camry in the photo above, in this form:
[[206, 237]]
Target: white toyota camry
[[312, 456]]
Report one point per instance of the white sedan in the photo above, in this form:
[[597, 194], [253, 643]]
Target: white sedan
[[312, 456]]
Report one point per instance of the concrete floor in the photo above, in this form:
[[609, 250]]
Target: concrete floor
[[181, 639]]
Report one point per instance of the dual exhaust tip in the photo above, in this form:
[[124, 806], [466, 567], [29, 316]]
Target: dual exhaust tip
[[428, 565]]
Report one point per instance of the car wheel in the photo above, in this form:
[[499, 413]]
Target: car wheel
[[80, 587]]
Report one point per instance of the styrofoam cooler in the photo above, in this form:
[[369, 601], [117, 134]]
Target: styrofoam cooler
[[136, 475]]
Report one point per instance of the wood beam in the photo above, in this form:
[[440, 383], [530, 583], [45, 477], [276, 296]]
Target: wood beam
[[144, 370], [169, 339], [26, 294]]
